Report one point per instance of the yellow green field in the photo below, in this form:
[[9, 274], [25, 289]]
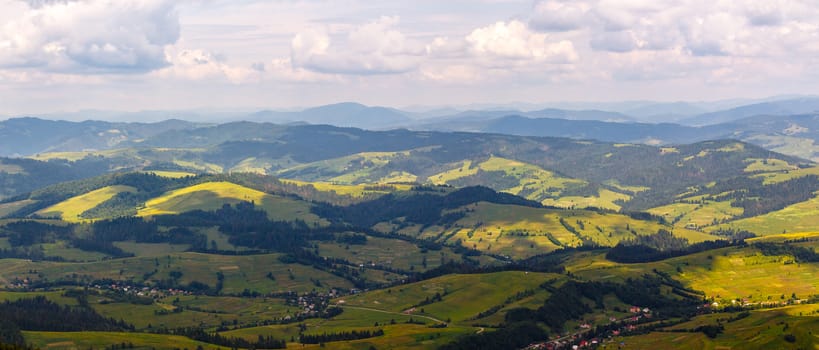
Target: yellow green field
[[352, 190], [605, 199], [388, 252], [523, 231], [171, 174], [70, 209], [463, 296], [763, 329], [803, 216], [535, 181], [702, 214], [98, 340], [212, 195], [724, 274], [241, 272]]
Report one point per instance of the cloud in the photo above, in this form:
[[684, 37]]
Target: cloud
[[197, 64], [514, 40], [559, 16], [88, 36], [373, 48]]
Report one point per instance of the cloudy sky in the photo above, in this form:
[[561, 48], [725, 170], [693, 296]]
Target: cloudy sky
[[67, 55]]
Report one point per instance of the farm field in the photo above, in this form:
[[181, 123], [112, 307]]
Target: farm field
[[799, 217], [724, 274], [762, 329], [98, 340], [240, 272]]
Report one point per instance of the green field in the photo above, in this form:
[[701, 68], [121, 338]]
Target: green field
[[763, 329], [99, 340], [241, 272], [799, 217], [524, 231], [70, 209], [463, 296], [212, 195], [352, 190], [388, 252], [734, 273]]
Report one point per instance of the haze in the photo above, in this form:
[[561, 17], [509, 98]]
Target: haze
[[128, 55]]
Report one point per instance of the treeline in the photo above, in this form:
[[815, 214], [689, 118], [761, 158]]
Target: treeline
[[41, 314], [800, 254], [568, 302], [199, 334], [419, 208], [340, 336], [514, 336], [757, 198], [660, 246], [23, 233], [38, 174]]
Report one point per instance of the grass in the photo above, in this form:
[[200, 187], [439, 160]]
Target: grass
[[781, 176], [703, 214], [358, 168], [212, 195], [763, 329], [768, 165], [605, 199], [200, 166], [241, 272], [151, 249], [64, 250], [523, 231], [55, 296], [790, 145], [170, 174], [11, 169], [535, 183], [352, 190], [397, 336], [70, 209], [98, 340], [803, 216], [724, 274], [7, 209], [463, 296], [387, 252]]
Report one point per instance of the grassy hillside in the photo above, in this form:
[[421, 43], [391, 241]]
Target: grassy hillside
[[87, 340], [521, 232], [212, 195], [762, 329], [734, 273], [70, 209]]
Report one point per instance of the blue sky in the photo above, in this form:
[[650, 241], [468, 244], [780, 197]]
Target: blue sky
[[68, 55]]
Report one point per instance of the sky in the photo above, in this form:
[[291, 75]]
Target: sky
[[130, 55]]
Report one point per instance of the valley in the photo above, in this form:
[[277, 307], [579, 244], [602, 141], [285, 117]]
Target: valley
[[319, 236]]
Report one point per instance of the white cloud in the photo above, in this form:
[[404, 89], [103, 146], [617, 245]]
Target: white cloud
[[88, 36], [373, 48], [200, 65], [514, 40], [559, 16]]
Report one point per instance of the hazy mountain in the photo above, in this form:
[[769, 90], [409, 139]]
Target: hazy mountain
[[773, 108], [27, 136], [346, 114], [597, 130]]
